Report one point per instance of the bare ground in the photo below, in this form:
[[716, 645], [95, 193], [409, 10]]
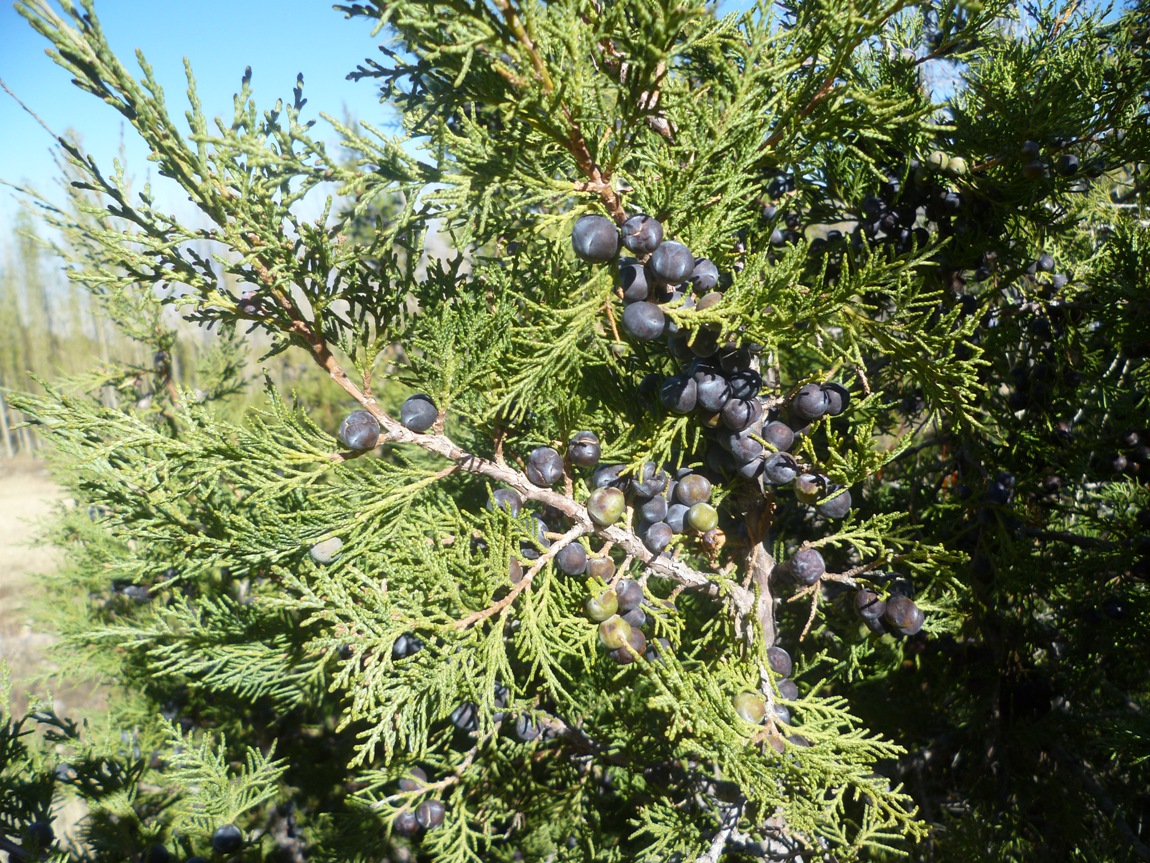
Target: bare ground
[[27, 496]]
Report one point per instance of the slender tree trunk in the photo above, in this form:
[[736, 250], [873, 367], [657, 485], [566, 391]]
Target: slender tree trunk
[[4, 428]]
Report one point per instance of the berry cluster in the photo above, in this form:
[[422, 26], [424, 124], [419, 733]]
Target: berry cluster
[[663, 507], [1133, 456], [622, 612], [752, 707], [427, 815], [360, 429], [749, 436], [896, 613], [719, 382], [665, 272]]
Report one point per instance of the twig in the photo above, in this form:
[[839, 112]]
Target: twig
[[575, 142], [648, 101], [15, 852], [34, 115], [728, 821], [498, 607], [447, 781], [1069, 538], [760, 564], [1060, 22]]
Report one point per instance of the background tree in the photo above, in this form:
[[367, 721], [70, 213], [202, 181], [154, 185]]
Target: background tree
[[425, 631]]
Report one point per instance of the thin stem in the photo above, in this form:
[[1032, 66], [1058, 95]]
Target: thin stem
[[529, 576]]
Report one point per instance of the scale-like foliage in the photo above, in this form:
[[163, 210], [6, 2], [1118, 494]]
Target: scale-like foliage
[[298, 625]]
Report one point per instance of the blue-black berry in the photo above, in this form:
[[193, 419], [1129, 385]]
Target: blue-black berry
[[595, 239], [418, 413], [671, 263], [642, 234], [359, 431], [644, 321], [227, 839], [544, 467]]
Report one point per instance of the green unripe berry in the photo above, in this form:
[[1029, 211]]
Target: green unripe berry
[[327, 550], [751, 707], [605, 506], [602, 606], [601, 568], [702, 517], [614, 632]]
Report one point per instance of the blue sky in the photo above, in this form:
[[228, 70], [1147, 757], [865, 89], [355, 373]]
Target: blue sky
[[219, 38]]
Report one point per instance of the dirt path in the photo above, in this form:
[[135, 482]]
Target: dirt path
[[27, 496]]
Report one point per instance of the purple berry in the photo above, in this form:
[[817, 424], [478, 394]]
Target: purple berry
[[806, 566], [671, 263], [903, 615], [743, 446], [508, 499], [544, 467], [779, 661], [679, 394], [610, 475], [418, 413], [837, 507], [584, 450], [630, 594], [595, 239], [745, 383], [571, 559], [676, 517], [868, 604], [642, 234], [406, 824], [739, 414], [227, 839], [654, 509], [649, 481], [633, 280], [359, 431], [780, 468], [810, 402], [430, 814], [704, 276], [657, 536], [644, 321], [636, 617], [692, 489], [712, 390], [838, 398], [778, 435], [414, 780]]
